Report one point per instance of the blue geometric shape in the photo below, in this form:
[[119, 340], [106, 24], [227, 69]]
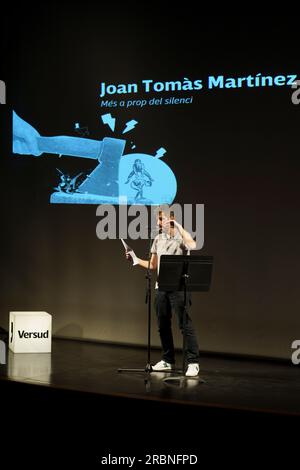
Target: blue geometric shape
[[129, 126], [160, 152], [109, 120]]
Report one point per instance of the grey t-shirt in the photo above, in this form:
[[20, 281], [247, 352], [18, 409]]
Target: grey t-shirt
[[164, 244]]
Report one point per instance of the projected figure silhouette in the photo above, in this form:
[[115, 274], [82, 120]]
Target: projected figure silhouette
[[141, 178]]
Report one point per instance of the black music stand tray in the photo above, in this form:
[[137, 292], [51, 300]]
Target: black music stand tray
[[188, 274]]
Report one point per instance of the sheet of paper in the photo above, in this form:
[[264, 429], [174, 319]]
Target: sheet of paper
[[130, 252]]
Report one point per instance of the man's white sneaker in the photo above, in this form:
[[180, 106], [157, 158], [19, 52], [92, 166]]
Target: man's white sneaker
[[163, 365], [192, 370]]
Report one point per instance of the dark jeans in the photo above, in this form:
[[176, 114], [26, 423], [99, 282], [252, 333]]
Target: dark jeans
[[165, 302]]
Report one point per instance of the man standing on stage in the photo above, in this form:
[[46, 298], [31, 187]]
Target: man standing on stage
[[172, 239]]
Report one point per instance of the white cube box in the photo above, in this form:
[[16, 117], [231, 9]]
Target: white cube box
[[30, 332]]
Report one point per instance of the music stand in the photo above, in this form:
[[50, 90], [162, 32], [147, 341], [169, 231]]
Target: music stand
[[188, 274]]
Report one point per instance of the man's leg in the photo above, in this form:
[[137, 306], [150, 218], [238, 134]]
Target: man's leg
[[164, 315], [192, 348]]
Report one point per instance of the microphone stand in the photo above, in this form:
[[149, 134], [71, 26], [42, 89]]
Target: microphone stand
[[148, 300]]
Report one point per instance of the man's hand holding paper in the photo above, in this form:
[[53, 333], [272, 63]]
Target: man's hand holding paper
[[130, 254]]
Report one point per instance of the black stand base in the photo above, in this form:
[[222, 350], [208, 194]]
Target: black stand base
[[147, 369]]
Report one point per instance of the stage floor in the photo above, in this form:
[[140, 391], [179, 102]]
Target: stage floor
[[230, 383]]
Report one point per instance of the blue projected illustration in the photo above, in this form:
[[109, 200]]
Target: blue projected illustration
[[68, 184], [134, 178], [146, 180], [140, 178], [129, 126]]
